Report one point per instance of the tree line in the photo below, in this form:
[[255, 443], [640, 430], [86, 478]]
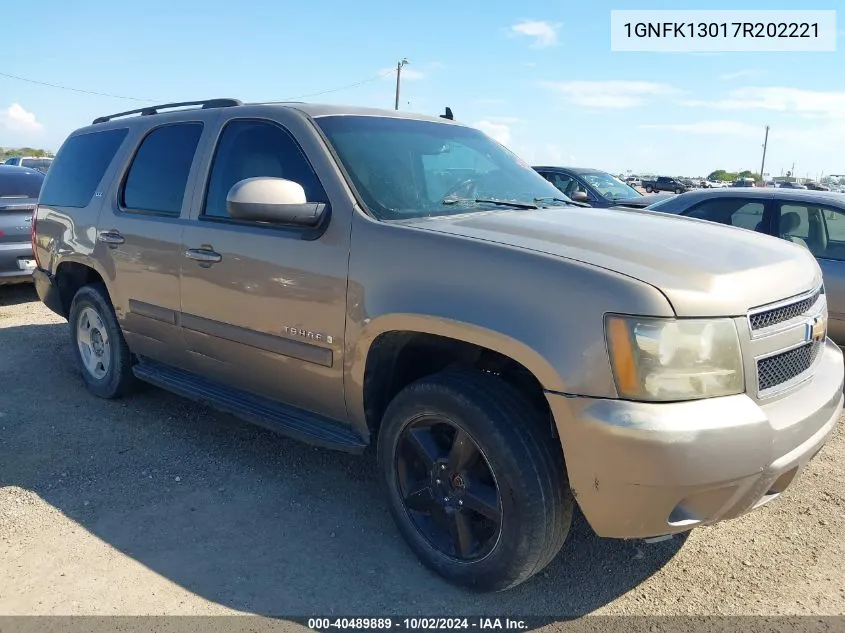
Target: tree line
[[9, 152], [730, 176]]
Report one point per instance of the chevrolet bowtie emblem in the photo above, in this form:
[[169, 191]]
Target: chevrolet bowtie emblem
[[816, 329]]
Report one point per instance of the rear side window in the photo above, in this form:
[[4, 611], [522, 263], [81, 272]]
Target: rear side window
[[158, 176], [79, 167], [20, 185]]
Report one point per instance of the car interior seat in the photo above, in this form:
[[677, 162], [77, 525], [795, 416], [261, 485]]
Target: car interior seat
[[789, 222]]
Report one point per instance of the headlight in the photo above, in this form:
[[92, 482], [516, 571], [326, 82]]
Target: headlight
[[674, 359]]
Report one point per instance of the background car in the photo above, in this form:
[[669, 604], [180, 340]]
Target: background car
[[596, 188], [19, 190], [814, 220], [41, 163], [817, 186], [666, 183], [791, 185]]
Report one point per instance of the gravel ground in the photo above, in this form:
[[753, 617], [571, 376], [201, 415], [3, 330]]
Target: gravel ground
[[155, 505]]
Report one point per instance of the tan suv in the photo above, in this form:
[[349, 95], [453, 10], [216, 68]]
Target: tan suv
[[346, 274]]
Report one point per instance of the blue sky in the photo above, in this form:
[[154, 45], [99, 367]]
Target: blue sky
[[538, 76]]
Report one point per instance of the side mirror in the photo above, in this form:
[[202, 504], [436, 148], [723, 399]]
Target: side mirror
[[272, 200], [579, 196]]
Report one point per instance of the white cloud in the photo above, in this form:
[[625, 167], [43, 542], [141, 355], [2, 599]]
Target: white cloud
[[610, 94], [543, 33], [16, 119], [794, 100], [498, 131], [739, 74]]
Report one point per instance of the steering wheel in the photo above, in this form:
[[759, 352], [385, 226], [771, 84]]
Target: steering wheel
[[469, 187]]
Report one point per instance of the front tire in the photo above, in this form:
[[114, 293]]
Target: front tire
[[474, 479], [98, 345]]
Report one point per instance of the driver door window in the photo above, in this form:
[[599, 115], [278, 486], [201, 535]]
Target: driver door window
[[249, 149], [732, 211], [820, 229], [566, 184], [800, 224]]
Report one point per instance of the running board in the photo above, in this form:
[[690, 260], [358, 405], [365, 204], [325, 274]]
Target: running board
[[296, 423]]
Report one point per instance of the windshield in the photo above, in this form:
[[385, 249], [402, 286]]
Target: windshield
[[610, 187], [404, 168], [20, 185]]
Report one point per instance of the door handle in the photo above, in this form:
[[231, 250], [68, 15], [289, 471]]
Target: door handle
[[203, 255], [112, 238]]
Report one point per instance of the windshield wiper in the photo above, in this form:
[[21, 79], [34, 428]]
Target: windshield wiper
[[504, 203], [553, 199]]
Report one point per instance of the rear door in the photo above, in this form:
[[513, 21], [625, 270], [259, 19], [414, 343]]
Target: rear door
[[139, 237]]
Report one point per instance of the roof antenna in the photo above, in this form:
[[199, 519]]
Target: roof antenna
[[448, 114]]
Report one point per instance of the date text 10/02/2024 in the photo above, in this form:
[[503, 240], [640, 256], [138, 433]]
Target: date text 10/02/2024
[[722, 29], [417, 624]]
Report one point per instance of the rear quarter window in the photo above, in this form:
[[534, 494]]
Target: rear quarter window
[[79, 167]]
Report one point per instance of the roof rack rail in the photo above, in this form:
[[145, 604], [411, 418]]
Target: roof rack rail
[[206, 104]]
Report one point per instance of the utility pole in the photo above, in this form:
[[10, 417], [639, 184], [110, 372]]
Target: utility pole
[[399, 64], [763, 164]]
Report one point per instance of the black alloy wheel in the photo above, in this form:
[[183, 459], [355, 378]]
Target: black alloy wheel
[[448, 488]]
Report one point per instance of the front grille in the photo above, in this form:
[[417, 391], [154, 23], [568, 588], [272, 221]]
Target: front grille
[[780, 314], [780, 368]]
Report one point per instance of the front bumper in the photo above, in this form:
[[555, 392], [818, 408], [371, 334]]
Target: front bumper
[[640, 470]]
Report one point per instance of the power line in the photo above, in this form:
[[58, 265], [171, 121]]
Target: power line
[[145, 100], [357, 83], [89, 92]]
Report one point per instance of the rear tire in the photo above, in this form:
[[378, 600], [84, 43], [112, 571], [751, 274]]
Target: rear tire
[[472, 439], [98, 345], [648, 189]]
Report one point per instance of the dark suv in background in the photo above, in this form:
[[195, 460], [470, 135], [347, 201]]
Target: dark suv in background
[[666, 183]]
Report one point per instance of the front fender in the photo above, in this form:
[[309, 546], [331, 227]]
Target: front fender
[[542, 311], [371, 329]]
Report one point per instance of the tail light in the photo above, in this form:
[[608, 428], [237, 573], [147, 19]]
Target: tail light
[[32, 236]]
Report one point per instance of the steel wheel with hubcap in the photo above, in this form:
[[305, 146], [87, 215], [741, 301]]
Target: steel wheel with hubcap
[[448, 489], [92, 338], [475, 481], [100, 349]]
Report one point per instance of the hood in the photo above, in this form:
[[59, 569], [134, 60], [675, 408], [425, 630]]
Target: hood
[[643, 201], [703, 268]]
